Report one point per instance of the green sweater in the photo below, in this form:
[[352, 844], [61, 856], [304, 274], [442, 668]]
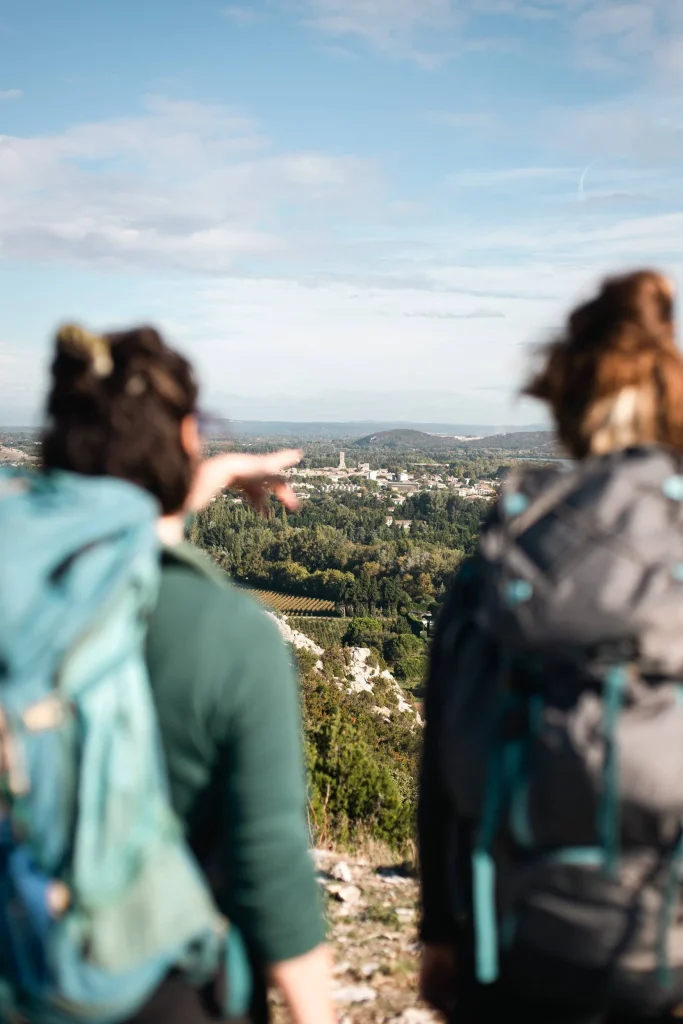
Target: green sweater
[[227, 702]]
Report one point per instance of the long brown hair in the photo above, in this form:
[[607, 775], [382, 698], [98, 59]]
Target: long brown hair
[[115, 408], [615, 377]]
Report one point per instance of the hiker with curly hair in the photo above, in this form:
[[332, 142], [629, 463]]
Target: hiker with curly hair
[[551, 793]]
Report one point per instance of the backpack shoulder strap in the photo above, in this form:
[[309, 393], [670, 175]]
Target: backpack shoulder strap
[[554, 488]]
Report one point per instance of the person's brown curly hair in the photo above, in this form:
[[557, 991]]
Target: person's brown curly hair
[[615, 377], [115, 408]]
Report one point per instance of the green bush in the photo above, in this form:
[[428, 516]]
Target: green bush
[[361, 770], [363, 633], [402, 645], [411, 667]]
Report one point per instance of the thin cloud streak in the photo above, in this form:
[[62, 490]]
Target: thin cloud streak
[[182, 185]]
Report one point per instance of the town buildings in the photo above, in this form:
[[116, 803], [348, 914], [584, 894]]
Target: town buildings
[[424, 477]]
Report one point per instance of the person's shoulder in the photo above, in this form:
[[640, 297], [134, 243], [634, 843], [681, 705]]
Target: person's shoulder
[[211, 596], [246, 667]]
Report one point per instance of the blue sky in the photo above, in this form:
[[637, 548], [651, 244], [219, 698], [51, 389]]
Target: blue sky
[[340, 208]]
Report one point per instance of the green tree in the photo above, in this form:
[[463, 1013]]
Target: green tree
[[363, 633], [402, 645], [411, 668]]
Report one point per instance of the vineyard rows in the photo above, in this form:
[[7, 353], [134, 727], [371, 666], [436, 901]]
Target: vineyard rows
[[324, 632], [291, 604]]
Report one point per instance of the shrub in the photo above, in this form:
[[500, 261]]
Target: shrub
[[402, 645], [411, 667], [361, 770], [363, 633]]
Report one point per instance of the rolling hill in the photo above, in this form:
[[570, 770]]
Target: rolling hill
[[538, 441], [542, 441], [417, 440]]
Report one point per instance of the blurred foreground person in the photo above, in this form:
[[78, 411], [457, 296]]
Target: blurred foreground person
[[154, 858], [551, 802]]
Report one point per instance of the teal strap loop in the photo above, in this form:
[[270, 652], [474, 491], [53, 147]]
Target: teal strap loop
[[578, 856], [609, 815], [485, 919], [484, 880], [483, 868], [516, 772], [238, 977]]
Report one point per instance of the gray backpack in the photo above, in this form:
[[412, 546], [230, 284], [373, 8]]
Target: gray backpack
[[563, 732]]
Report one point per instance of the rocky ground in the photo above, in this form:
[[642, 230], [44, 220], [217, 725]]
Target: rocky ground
[[371, 903], [372, 912]]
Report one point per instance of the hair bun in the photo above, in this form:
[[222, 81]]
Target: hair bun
[[92, 348]]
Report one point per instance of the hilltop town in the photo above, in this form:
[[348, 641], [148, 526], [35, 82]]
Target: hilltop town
[[360, 480]]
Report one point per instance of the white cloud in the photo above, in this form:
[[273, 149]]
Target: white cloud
[[471, 311], [603, 35], [289, 338], [380, 20], [10, 94], [23, 383], [394, 26], [182, 185], [299, 269], [631, 38], [634, 131], [622, 242], [607, 36], [241, 15]]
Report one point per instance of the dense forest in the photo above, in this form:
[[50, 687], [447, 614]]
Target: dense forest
[[339, 547]]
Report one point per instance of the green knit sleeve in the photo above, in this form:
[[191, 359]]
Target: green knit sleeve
[[272, 889]]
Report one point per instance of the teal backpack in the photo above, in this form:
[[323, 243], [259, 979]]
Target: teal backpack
[[100, 896]]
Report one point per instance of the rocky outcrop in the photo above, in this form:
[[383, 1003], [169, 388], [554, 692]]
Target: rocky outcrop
[[298, 640], [293, 637], [361, 674], [364, 676]]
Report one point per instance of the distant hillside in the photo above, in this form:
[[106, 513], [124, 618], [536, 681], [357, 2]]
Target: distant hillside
[[362, 428], [12, 455], [404, 439], [543, 441]]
